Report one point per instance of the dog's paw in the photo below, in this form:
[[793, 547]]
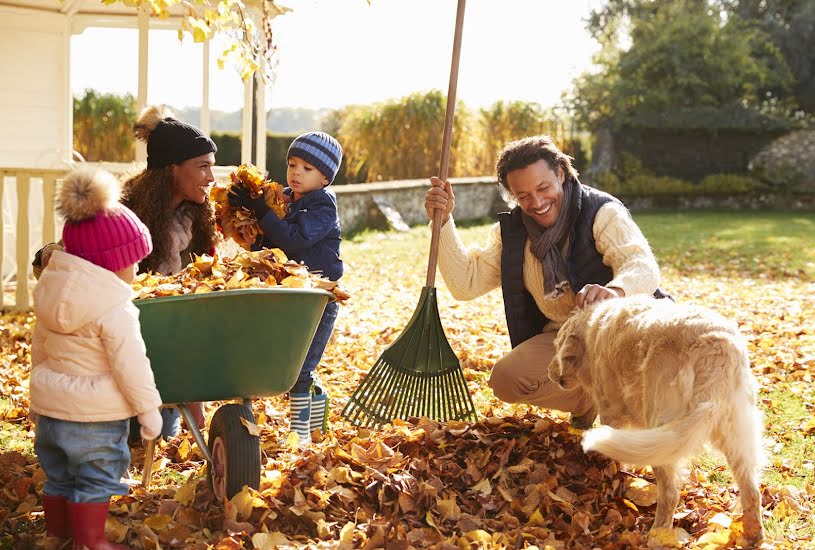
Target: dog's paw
[[592, 438]]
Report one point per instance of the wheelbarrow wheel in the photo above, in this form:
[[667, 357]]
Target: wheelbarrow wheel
[[235, 452]]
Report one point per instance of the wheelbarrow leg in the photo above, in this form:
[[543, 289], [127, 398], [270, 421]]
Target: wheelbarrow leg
[[147, 471], [196, 433]]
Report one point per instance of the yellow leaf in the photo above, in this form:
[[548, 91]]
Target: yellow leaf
[[186, 493], [448, 509], [665, 537], [243, 503], [347, 532], [292, 442], [270, 541], [713, 540], [721, 520], [158, 522], [483, 487], [114, 530], [641, 492], [251, 427], [536, 519]]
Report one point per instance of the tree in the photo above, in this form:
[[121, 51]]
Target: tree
[[402, 138], [790, 24], [248, 23], [683, 55], [103, 126], [503, 122]]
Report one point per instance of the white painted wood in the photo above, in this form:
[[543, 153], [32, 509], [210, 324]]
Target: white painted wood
[[260, 126], [32, 100], [205, 89], [23, 188], [246, 123], [141, 96]]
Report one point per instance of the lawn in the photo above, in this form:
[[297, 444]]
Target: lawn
[[515, 479]]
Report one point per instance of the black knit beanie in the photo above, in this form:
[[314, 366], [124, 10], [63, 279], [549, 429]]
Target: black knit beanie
[[173, 142]]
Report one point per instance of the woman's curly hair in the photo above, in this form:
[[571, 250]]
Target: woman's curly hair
[[149, 195]]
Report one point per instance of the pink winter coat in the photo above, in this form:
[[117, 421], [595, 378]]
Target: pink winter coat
[[88, 360]]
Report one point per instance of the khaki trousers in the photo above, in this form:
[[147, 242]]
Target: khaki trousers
[[521, 376]]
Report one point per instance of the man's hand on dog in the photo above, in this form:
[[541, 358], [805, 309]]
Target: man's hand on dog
[[590, 294]]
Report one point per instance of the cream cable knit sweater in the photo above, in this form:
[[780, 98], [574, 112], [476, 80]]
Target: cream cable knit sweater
[[472, 272]]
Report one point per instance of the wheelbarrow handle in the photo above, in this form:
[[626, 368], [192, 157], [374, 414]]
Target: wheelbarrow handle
[[147, 471]]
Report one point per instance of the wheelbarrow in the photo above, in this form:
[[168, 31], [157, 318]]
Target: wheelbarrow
[[228, 345]]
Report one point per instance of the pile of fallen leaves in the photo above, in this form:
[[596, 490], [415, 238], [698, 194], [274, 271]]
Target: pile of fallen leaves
[[239, 223], [517, 478], [264, 268]]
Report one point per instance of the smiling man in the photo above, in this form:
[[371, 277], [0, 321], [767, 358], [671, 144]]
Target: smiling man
[[564, 245]]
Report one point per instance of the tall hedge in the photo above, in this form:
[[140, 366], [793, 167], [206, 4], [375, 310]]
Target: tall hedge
[[229, 153]]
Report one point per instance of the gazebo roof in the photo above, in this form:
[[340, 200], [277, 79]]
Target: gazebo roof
[[86, 13]]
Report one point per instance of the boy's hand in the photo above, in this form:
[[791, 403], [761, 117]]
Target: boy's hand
[[241, 196]]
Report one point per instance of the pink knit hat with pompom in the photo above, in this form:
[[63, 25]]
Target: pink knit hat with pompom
[[97, 227]]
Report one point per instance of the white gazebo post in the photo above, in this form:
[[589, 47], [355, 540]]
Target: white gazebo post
[[205, 90], [144, 52], [260, 124], [246, 122]]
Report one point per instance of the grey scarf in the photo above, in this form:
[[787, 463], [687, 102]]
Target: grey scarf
[[546, 244]]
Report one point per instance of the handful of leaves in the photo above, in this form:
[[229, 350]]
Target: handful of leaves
[[262, 269], [239, 224]]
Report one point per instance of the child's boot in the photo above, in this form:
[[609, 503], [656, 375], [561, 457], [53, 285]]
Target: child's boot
[[319, 413], [57, 516], [300, 416], [88, 519]]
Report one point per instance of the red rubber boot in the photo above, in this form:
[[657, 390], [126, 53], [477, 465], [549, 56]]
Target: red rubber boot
[[57, 516], [88, 520]]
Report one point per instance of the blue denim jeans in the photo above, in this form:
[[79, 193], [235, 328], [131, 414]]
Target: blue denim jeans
[[83, 461], [307, 377]]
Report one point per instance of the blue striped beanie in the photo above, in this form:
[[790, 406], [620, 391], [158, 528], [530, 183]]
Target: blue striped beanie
[[320, 150]]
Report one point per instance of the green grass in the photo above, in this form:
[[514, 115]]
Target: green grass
[[746, 244], [12, 435]]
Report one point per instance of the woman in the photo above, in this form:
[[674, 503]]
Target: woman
[[170, 196], [564, 245]]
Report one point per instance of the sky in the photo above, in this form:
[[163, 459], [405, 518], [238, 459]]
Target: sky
[[339, 52]]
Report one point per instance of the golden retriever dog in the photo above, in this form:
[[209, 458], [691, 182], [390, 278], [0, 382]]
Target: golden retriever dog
[[666, 379]]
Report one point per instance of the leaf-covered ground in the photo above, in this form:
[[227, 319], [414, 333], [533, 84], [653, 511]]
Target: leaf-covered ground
[[515, 479]]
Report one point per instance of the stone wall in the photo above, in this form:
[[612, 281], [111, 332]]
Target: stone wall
[[788, 161], [400, 204]]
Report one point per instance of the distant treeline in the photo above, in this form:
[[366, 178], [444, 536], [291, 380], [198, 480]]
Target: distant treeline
[[398, 139]]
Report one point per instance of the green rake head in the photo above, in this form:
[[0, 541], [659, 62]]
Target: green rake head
[[418, 375]]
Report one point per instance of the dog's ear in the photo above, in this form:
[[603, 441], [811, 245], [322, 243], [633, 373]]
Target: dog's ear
[[563, 367]]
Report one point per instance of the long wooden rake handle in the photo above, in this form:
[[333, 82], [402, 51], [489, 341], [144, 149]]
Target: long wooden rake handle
[[446, 142]]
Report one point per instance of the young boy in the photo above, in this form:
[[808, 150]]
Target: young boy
[[309, 233], [89, 368]]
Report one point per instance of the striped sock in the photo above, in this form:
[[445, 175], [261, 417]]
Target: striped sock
[[319, 412], [300, 415]]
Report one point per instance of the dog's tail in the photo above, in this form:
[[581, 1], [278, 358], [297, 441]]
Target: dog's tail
[[664, 444]]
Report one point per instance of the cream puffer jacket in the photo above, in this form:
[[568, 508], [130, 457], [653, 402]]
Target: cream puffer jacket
[[88, 359]]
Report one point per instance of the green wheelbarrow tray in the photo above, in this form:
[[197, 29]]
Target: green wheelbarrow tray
[[232, 344], [218, 346]]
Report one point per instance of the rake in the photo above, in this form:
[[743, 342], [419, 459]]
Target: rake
[[419, 374]]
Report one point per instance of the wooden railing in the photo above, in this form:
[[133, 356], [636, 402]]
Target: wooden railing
[[23, 177]]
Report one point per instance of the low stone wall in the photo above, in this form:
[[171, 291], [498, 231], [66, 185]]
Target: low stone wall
[[400, 204], [747, 201]]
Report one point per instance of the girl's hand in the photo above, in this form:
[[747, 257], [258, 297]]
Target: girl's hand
[[440, 196]]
